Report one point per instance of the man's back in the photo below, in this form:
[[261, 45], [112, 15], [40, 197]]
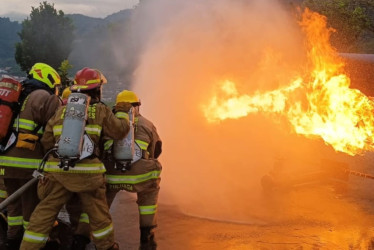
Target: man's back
[[36, 110]]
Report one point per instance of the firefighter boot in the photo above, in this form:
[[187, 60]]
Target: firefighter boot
[[3, 229], [51, 245], [114, 247], [80, 242], [12, 244], [147, 238]]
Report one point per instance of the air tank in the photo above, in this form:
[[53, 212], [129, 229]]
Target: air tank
[[123, 150], [71, 139], [10, 90]]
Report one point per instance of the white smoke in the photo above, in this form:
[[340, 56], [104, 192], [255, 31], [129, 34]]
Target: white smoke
[[214, 170]]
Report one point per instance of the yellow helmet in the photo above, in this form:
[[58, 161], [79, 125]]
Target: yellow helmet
[[46, 74], [128, 96], [66, 93]]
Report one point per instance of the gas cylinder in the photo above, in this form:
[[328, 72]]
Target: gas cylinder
[[72, 135], [123, 150], [10, 90]]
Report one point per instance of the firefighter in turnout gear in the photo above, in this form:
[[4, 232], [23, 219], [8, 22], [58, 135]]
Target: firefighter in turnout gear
[[79, 228], [65, 94], [38, 104], [83, 177], [143, 176], [3, 217]]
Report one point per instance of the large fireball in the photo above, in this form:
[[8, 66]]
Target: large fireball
[[232, 86], [318, 103]]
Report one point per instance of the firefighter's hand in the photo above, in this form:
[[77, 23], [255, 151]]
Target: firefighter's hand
[[122, 107], [43, 180]]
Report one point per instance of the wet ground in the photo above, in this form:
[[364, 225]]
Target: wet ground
[[325, 214], [344, 225]]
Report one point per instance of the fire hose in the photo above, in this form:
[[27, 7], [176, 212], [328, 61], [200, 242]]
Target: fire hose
[[37, 175], [355, 173], [269, 181]]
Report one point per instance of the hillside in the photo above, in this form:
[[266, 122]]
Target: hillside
[[8, 38], [91, 37], [108, 44]]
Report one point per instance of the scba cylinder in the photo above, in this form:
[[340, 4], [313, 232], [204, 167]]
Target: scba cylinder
[[73, 126], [10, 90], [123, 150]]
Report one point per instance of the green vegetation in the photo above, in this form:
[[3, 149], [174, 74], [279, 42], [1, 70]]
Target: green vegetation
[[352, 20], [8, 39], [46, 37], [63, 72], [110, 44]]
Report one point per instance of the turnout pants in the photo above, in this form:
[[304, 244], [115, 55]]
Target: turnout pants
[[57, 190], [79, 220], [19, 211], [3, 219], [147, 204], [144, 179]]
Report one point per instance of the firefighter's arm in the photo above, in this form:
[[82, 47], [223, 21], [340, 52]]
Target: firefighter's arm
[[157, 143], [114, 127], [45, 110], [158, 149], [122, 107]]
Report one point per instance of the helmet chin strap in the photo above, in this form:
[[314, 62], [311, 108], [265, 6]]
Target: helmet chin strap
[[137, 110]]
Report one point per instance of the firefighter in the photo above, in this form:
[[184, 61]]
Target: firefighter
[[143, 176], [85, 177], [65, 94], [79, 227], [39, 103], [3, 216]]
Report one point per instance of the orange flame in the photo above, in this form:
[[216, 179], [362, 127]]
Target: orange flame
[[327, 107]]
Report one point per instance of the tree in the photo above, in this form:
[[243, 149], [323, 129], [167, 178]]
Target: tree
[[352, 20], [46, 37], [63, 72]]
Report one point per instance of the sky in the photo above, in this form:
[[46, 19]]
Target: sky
[[18, 9]]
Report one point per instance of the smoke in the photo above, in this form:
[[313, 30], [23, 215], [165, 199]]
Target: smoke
[[188, 48]]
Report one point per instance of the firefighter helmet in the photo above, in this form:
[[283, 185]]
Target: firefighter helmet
[[128, 96], [87, 79], [66, 93], [46, 74]]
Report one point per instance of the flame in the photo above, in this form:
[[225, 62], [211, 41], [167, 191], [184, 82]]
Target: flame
[[320, 104]]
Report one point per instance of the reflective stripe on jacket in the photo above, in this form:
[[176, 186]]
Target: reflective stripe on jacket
[[92, 168], [147, 168], [101, 122], [132, 179], [37, 109], [19, 162]]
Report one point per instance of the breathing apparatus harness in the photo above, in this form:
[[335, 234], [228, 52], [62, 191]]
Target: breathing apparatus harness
[[10, 106], [124, 150], [74, 144]]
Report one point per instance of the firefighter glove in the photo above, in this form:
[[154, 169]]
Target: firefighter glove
[[122, 107], [27, 141]]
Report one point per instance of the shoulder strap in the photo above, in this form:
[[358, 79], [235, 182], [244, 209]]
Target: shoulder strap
[[13, 105]]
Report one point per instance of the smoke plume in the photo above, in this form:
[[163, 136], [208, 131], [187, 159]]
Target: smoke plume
[[188, 48]]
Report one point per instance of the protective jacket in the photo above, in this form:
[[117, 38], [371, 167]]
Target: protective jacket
[[148, 140], [20, 161], [16, 165], [143, 177], [85, 179], [101, 121]]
